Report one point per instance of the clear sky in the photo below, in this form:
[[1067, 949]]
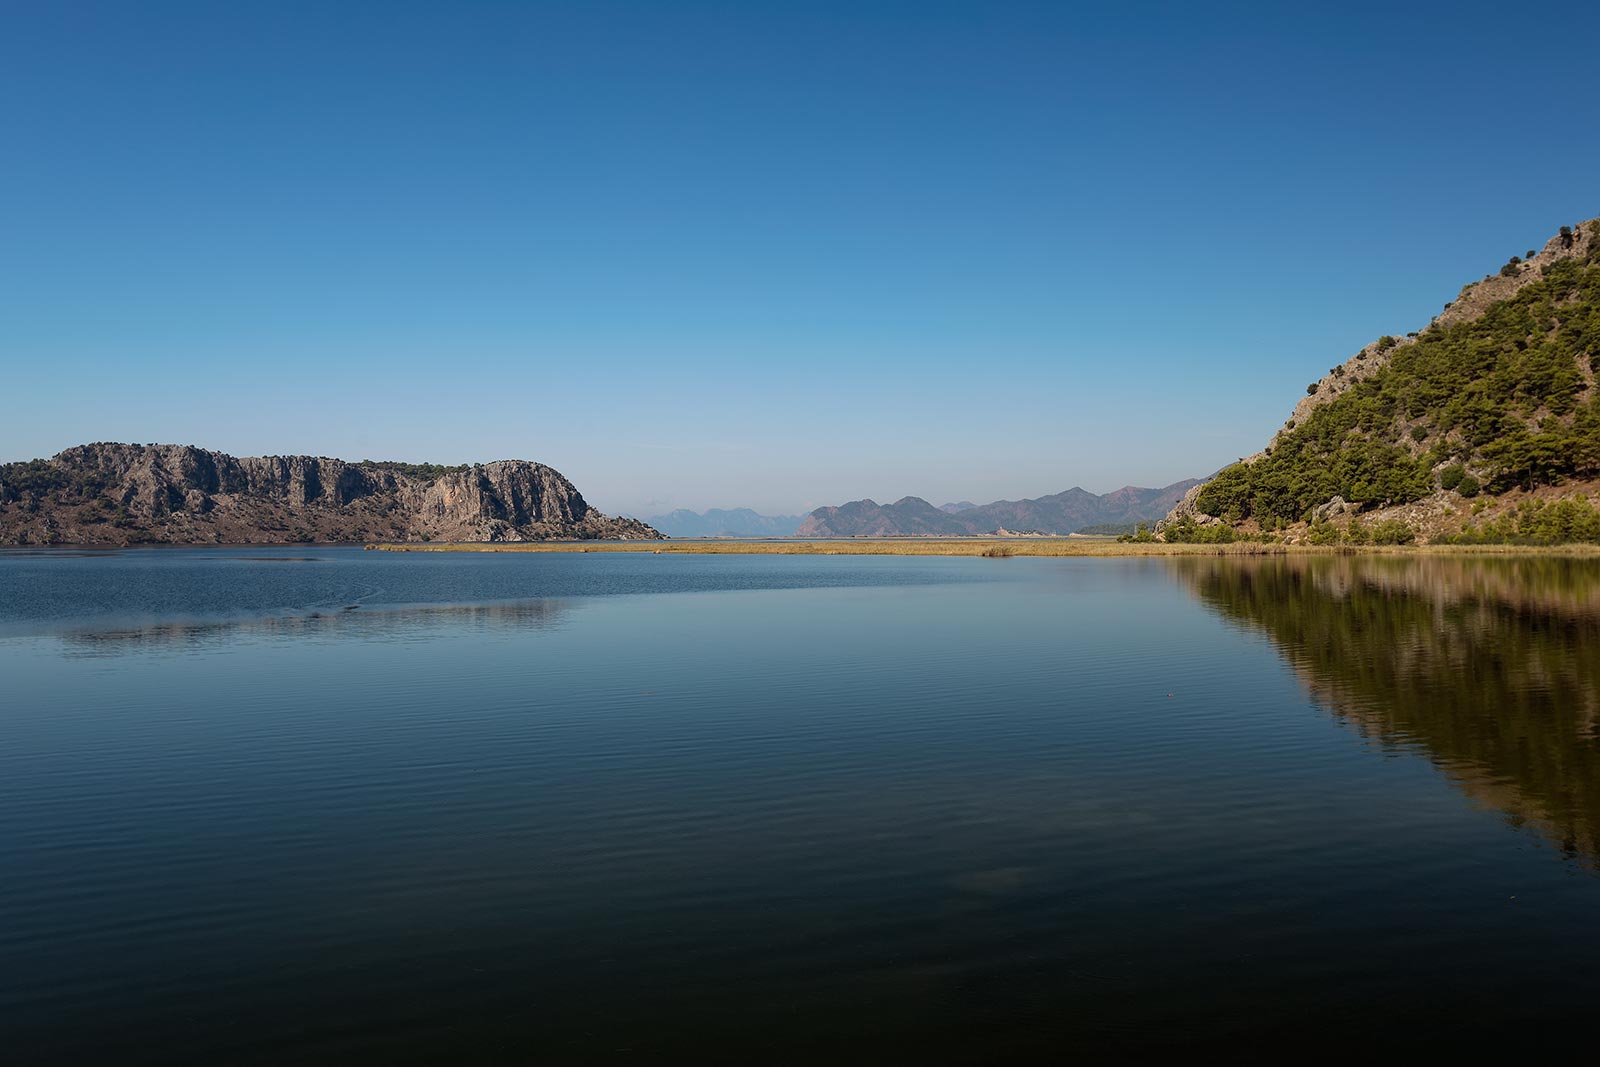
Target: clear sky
[[756, 253]]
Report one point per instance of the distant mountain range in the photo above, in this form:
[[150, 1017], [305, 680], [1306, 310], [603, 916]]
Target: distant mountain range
[[1060, 514], [717, 522]]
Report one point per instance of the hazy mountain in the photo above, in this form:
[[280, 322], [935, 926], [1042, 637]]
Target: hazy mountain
[[961, 505], [717, 522], [1062, 513]]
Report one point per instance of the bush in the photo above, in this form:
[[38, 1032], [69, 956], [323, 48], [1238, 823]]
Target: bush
[[429, 471], [1419, 433], [1537, 523], [1469, 486], [1311, 389], [1323, 532], [1393, 532], [1451, 476], [1187, 532]]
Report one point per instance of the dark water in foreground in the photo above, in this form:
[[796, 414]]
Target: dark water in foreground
[[330, 806]]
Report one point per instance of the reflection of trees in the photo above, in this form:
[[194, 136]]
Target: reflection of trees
[[112, 637], [1491, 666]]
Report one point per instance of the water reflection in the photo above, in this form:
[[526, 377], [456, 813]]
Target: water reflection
[[128, 635], [1489, 666]]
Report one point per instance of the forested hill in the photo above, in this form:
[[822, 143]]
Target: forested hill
[[1495, 396]]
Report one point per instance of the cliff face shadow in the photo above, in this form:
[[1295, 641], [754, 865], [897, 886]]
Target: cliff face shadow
[[1491, 667]]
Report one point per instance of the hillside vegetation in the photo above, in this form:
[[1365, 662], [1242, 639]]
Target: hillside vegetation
[[1498, 400]]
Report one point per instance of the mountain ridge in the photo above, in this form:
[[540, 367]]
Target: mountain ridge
[[1057, 514]]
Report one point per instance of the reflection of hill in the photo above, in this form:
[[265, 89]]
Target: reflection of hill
[[113, 636], [1490, 666]]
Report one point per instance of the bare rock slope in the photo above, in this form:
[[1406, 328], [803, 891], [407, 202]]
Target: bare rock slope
[[113, 494]]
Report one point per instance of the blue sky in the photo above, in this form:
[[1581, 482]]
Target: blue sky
[[764, 254]]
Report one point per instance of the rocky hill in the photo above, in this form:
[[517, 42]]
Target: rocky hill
[[1059, 514], [116, 494], [1484, 425]]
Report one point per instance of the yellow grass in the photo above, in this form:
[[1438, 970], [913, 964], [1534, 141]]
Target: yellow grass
[[972, 547]]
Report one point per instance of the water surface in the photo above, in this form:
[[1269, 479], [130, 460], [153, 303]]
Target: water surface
[[331, 806]]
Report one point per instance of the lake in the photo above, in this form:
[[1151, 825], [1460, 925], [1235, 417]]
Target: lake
[[325, 805]]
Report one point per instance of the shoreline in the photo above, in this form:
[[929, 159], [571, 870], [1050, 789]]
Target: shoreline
[[1000, 548], [1075, 548]]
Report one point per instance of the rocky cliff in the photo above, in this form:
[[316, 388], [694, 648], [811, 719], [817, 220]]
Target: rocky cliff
[[113, 494]]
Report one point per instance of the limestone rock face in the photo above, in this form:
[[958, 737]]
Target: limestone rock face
[[113, 493], [1336, 508], [1185, 509]]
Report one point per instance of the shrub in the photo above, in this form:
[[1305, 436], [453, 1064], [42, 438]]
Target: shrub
[[1469, 486], [1141, 535], [1451, 476], [1419, 433], [1393, 532], [1311, 389], [1187, 532], [1323, 532], [1537, 523]]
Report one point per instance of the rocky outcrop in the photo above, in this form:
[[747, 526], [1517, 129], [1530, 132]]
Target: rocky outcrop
[[112, 493], [1186, 509]]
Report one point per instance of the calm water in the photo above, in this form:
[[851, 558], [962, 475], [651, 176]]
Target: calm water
[[323, 805]]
